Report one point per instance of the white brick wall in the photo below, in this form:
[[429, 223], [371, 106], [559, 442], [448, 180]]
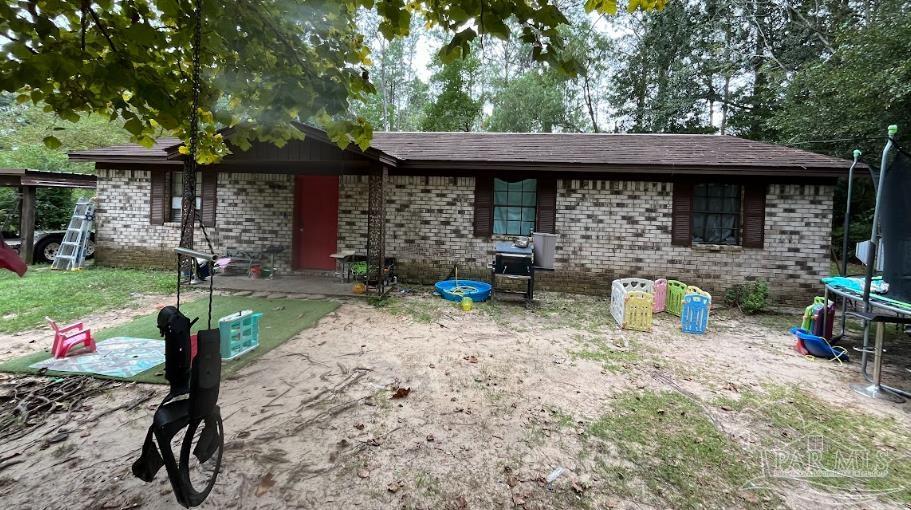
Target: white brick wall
[[253, 211], [607, 229]]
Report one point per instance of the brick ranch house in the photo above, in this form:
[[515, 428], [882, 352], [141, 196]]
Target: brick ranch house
[[708, 210]]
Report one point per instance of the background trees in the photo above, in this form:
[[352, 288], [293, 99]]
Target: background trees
[[22, 129], [823, 75]]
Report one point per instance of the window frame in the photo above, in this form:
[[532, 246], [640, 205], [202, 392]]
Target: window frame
[[527, 201], [177, 177], [702, 212]]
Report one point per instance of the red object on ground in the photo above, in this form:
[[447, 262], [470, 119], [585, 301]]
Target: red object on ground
[[67, 337], [799, 347], [192, 347], [315, 221], [9, 259]]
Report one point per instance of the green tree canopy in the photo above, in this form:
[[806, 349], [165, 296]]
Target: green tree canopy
[[454, 108], [22, 127], [533, 102], [265, 63]]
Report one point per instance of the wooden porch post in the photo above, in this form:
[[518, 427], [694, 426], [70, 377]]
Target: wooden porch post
[[376, 230], [27, 224]]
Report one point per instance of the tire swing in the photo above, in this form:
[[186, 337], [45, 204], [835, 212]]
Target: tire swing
[[193, 372]]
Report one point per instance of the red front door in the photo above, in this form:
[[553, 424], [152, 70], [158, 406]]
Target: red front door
[[315, 221]]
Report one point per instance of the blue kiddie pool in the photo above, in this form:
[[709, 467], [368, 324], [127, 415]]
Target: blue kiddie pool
[[455, 290]]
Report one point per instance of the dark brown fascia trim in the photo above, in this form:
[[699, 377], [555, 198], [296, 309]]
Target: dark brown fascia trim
[[273, 167], [311, 132], [470, 168], [295, 167], [628, 176], [141, 165]]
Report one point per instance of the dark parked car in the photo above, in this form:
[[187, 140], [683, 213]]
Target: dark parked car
[[46, 245]]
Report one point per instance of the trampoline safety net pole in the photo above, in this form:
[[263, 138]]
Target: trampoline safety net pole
[[874, 236]]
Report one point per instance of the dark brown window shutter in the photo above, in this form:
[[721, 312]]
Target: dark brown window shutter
[[682, 214], [159, 197], [547, 206], [483, 206], [753, 215], [209, 196]]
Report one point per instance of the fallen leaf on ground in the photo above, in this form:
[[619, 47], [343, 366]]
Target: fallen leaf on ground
[[395, 486], [265, 484], [460, 503], [401, 392], [363, 473]]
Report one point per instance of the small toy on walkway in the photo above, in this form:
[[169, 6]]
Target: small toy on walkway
[[68, 337]]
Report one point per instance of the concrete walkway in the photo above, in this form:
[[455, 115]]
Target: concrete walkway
[[290, 285]]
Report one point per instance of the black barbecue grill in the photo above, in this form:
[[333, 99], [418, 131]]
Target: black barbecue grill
[[512, 262]]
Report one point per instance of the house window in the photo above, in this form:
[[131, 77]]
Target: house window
[[177, 195], [716, 213], [514, 206]]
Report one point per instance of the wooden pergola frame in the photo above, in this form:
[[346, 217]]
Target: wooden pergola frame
[[28, 181]]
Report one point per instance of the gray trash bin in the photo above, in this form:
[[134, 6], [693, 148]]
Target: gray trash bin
[[545, 247]]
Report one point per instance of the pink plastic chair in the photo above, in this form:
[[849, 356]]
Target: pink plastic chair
[[660, 295], [67, 337]]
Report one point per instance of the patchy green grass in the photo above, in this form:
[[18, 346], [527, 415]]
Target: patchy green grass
[[829, 446], [502, 312], [590, 314], [673, 453], [420, 308], [612, 358], [69, 295]]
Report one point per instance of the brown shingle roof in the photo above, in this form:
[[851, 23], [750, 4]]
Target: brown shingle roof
[[599, 149], [163, 148], [647, 153]]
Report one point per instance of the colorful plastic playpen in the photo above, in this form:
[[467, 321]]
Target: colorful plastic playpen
[[634, 301]]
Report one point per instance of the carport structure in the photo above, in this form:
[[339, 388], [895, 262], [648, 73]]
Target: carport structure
[[28, 181]]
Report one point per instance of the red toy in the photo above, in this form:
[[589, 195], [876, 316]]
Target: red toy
[[70, 336], [9, 259]]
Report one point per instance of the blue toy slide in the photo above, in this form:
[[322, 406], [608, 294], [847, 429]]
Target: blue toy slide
[[817, 345]]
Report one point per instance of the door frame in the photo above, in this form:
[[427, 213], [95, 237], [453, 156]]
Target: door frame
[[296, 220]]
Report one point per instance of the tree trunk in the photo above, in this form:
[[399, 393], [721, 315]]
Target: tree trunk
[[384, 87], [586, 88], [726, 96], [188, 206]]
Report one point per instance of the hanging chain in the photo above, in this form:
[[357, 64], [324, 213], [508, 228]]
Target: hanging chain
[[194, 114], [189, 177]]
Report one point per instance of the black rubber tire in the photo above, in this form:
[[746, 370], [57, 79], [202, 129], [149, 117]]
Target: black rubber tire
[[39, 258], [40, 246]]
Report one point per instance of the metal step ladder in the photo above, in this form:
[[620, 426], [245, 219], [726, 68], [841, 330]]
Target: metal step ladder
[[71, 254]]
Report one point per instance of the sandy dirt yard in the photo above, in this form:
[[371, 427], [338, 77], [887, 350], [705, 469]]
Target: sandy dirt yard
[[509, 407]]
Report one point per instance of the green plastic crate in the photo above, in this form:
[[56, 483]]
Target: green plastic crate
[[239, 333]]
